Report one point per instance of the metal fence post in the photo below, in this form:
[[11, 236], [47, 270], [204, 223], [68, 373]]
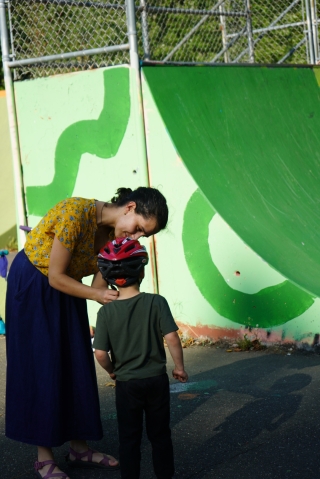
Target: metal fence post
[[314, 22], [310, 33], [134, 63], [144, 30], [12, 120], [224, 33], [132, 34], [249, 32]]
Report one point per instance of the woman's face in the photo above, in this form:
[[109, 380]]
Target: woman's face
[[133, 225]]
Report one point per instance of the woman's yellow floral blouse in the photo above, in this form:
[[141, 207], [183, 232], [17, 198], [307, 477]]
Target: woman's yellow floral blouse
[[74, 222]]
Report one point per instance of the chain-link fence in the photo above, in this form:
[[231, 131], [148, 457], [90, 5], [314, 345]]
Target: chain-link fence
[[227, 31], [183, 31], [41, 28]]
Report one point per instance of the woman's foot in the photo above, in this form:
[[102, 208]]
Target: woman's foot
[[83, 456], [46, 469]]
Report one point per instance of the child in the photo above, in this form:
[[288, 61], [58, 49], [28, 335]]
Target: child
[[132, 329]]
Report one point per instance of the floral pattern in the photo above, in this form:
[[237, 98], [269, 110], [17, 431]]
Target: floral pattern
[[74, 222]]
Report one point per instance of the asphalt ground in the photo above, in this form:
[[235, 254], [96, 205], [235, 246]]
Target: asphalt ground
[[242, 415]]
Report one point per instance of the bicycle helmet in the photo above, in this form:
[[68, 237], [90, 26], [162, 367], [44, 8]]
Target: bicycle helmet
[[121, 261]]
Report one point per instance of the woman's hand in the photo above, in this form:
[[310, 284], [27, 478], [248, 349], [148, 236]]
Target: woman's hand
[[105, 296]]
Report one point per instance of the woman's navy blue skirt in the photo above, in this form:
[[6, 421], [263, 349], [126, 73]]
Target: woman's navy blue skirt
[[52, 395]]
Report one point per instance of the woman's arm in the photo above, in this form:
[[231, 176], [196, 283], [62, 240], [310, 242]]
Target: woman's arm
[[98, 281], [60, 259]]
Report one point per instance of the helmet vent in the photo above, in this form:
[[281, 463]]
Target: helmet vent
[[121, 261]]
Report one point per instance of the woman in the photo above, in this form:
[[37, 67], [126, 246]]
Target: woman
[[52, 394]]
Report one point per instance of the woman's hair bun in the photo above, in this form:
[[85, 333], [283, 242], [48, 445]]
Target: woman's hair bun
[[121, 195]]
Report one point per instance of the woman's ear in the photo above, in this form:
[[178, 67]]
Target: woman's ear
[[130, 207]]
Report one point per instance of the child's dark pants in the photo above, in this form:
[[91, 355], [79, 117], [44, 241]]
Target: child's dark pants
[[132, 398]]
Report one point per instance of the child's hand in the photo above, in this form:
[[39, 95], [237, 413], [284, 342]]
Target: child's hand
[[180, 375], [112, 376], [92, 331]]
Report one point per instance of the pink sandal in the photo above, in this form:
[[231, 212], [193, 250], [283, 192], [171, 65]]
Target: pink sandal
[[77, 462], [39, 465]]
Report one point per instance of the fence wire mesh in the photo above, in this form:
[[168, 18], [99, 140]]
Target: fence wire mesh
[[184, 31], [189, 32], [260, 31], [279, 32], [47, 27]]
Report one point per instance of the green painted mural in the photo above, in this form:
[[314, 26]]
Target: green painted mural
[[82, 135], [101, 137], [211, 134], [249, 136], [267, 308], [203, 284]]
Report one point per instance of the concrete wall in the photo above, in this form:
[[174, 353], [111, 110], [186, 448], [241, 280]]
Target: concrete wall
[[85, 134], [217, 286], [81, 135]]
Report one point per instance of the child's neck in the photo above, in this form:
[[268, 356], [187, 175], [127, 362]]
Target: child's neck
[[129, 291]]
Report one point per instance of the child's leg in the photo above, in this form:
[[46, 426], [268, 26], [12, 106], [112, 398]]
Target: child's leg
[[158, 426], [130, 402]]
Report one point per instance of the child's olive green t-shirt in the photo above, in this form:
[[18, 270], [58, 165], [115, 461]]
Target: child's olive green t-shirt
[[132, 330]]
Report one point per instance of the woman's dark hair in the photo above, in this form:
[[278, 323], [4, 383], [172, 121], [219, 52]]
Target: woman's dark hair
[[150, 203]]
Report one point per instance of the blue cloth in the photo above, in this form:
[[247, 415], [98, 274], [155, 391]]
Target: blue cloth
[[2, 327], [3, 266], [52, 394]]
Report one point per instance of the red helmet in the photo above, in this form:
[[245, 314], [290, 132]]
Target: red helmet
[[122, 260]]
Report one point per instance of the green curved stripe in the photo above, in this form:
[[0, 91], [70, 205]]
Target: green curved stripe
[[250, 140], [269, 307], [101, 137]]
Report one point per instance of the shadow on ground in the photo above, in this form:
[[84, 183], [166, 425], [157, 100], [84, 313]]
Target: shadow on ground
[[246, 415]]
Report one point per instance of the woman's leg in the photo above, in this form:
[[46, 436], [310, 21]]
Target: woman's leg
[[82, 446], [45, 454]]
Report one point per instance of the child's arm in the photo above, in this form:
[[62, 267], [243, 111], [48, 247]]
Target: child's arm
[[175, 348], [104, 361]]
